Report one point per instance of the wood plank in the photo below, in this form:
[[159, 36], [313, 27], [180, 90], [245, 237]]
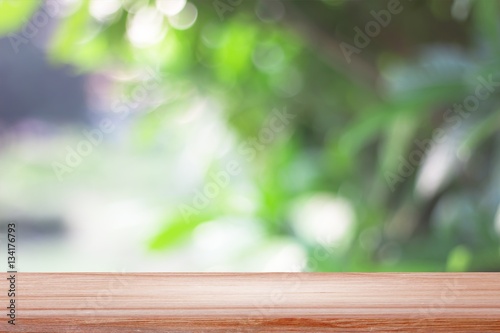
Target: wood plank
[[254, 302]]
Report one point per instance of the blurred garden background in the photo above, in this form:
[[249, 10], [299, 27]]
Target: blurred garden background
[[251, 135]]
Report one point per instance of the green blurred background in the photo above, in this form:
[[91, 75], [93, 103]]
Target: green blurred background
[[247, 135]]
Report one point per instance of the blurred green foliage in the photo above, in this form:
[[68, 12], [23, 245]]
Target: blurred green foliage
[[14, 14], [354, 122]]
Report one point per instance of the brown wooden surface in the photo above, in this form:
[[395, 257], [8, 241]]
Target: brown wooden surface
[[273, 302]]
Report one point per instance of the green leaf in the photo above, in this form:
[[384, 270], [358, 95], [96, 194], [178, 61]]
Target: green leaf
[[15, 13], [236, 51], [484, 128], [459, 259], [68, 37], [177, 229], [486, 19]]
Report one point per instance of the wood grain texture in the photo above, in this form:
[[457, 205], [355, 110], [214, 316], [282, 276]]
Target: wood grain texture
[[268, 302]]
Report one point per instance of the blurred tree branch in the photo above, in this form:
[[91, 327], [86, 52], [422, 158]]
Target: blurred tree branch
[[359, 70]]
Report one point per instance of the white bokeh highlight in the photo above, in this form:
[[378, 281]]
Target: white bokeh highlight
[[323, 219], [170, 7], [146, 27]]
